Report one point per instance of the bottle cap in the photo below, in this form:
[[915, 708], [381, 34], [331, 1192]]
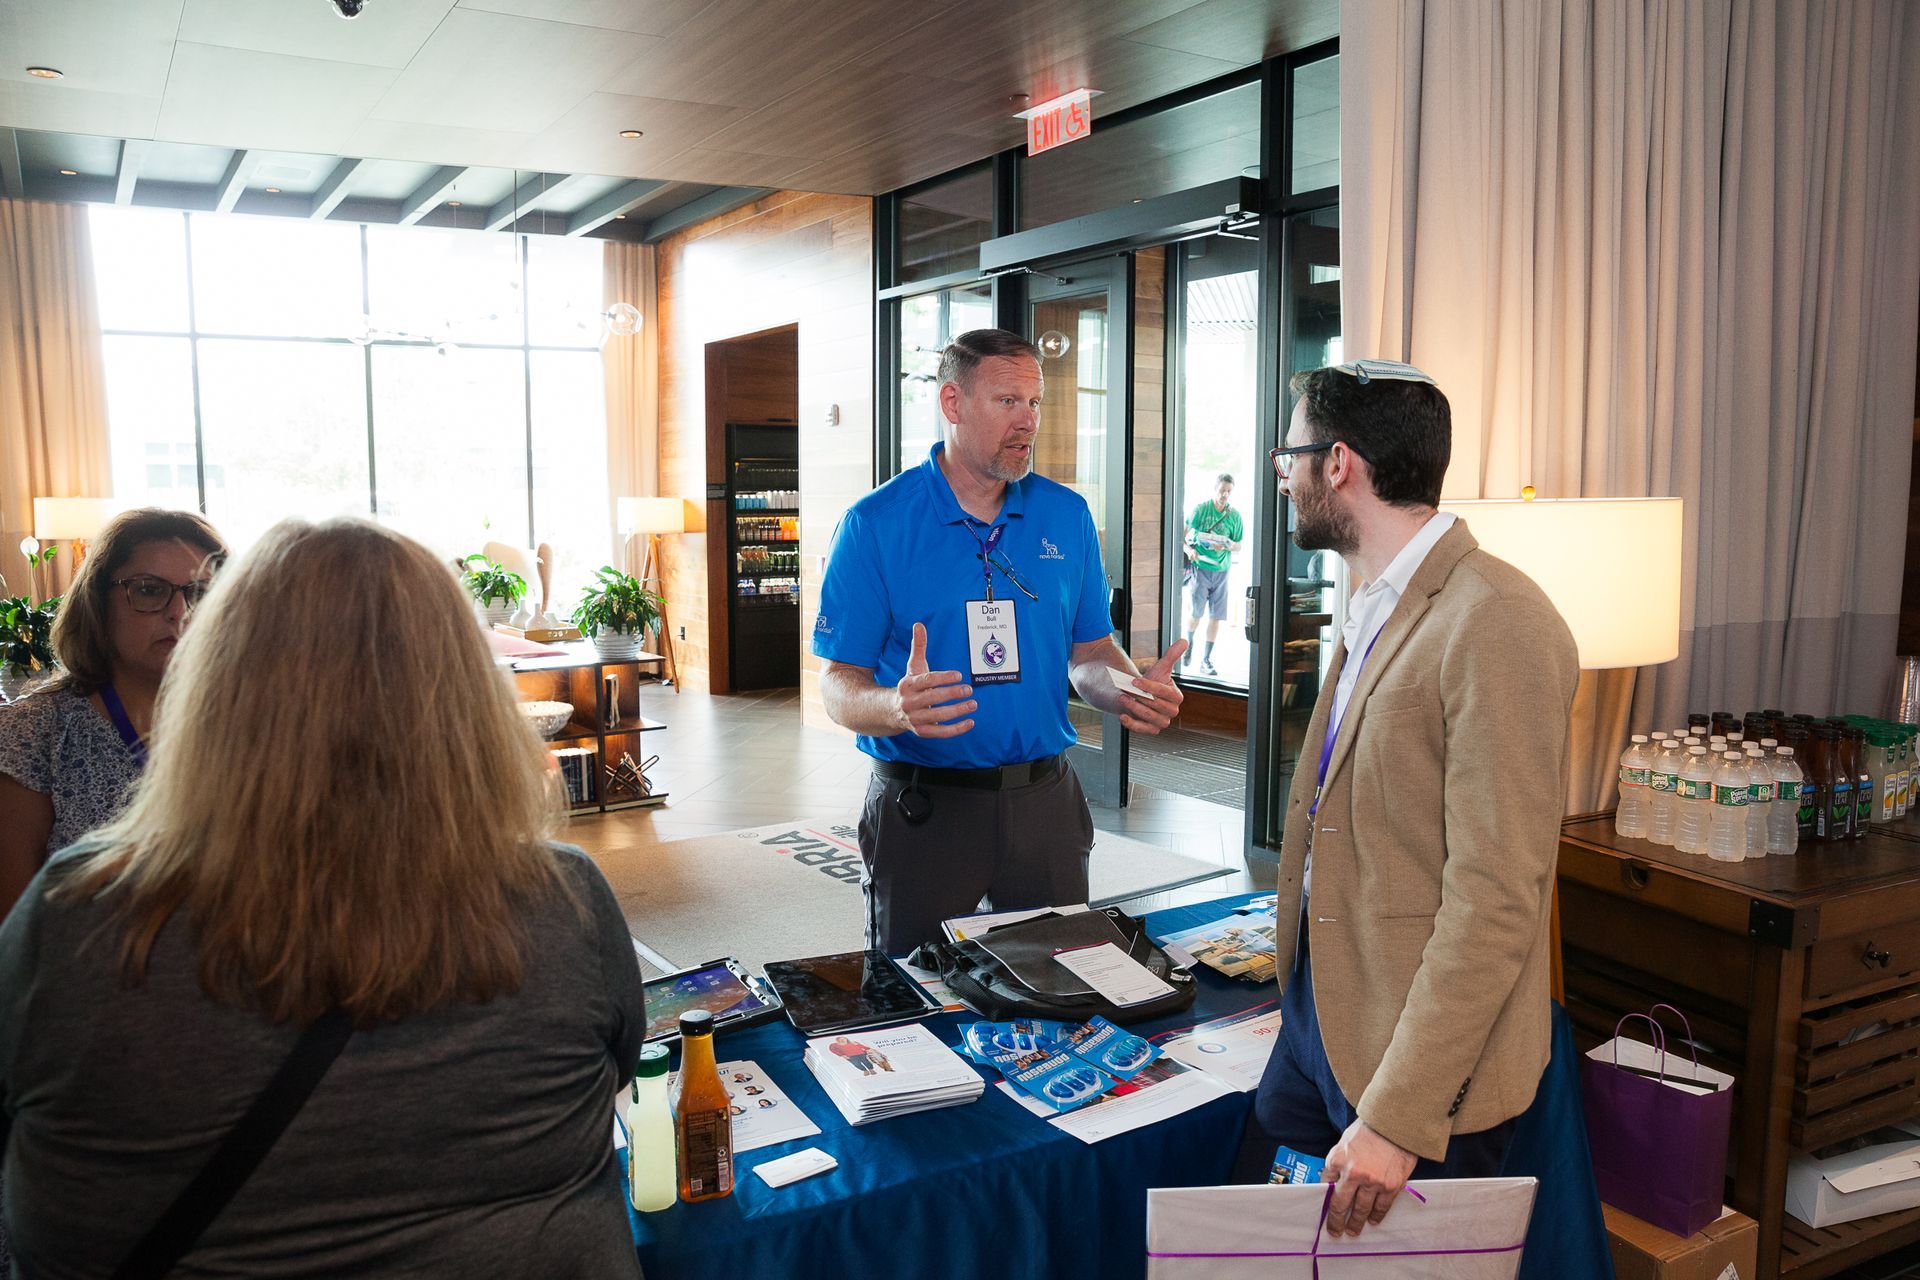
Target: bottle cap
[[653, 1062], [696, 1022], [1783, 751], [1639, 737], [1769, 743], [1696, 750]]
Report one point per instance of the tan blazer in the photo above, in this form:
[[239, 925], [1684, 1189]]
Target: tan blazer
[[1434, 852]]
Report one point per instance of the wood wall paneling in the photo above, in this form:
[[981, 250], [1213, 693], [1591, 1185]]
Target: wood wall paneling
[[1149, 452], [791, 259]]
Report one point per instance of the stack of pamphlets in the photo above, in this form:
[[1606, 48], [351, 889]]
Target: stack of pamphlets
[[893, 1071], [1239, 945]]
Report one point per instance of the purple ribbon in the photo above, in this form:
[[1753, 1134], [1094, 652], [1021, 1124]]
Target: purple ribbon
[[1314, 1253]]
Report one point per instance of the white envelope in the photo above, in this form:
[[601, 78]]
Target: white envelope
[[1873, 1180], [1466, 1229]]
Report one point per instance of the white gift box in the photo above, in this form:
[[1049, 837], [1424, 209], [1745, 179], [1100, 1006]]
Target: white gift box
[[1879, 1179], [1460, 1229]]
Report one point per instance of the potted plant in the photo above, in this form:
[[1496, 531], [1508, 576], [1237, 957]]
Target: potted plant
[[488, 582], [26, 639], [614, 612]]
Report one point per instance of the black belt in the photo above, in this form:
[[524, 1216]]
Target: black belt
[[1004, 778]]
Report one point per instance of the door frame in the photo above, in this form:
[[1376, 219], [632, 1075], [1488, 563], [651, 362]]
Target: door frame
[[1103, 769]]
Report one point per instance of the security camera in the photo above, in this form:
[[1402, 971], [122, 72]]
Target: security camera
[[349, 8]]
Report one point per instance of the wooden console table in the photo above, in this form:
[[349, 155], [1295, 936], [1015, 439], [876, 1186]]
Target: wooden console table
[[1801, 976]]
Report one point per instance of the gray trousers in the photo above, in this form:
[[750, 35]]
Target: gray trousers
[[1025, 847]]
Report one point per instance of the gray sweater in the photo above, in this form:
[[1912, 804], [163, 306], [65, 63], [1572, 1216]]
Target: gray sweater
[[469, 1140]]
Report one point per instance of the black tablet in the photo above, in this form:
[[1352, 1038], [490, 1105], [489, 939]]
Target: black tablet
[[824, 994], [732, 995]]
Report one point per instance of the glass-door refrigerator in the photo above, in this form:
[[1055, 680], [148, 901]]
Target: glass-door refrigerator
[[763, 550]]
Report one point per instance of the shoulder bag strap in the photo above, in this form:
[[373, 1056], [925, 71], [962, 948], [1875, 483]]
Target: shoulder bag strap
[[241, 1151]]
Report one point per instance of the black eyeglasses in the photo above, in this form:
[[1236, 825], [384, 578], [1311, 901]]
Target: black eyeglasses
[[148, 594], [1282, 458]]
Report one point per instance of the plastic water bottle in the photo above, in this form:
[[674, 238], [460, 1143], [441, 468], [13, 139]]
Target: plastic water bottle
[[1783, 821], [1759, 800], [1693, 799], [1663, 777], [1630, 818], [649, 1122], [1727, 829]]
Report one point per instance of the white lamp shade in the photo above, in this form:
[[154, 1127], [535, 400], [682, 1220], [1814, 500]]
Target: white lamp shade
[[1611, 566], [650, 515], [64, 519]]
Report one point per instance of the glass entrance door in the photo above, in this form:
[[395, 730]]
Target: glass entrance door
[[1079, 317]]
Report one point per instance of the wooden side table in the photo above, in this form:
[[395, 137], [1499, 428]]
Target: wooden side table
[[611, 729], [1801, 976]]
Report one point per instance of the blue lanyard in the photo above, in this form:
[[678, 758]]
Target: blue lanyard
[[117, 712], [986, 546], [1333, 725]]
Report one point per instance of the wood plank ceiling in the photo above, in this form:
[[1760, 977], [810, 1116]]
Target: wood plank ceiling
[[846, 96]]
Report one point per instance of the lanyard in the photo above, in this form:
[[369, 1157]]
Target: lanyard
[[117, 712], [987, 566], [1333, 725]]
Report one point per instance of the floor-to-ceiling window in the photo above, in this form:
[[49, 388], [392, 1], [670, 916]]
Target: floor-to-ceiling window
[[446, 382]]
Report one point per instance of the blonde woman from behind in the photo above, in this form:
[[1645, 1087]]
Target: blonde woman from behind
[[343, 811]]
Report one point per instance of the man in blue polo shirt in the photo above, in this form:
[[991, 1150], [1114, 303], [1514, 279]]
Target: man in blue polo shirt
[[971, 562]]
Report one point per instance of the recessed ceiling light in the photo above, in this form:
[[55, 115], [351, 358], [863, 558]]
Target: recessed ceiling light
[[1019, 99], [69, 173], [621, 216], [453, 204], [44, 73], [630, 133], [273, 191]]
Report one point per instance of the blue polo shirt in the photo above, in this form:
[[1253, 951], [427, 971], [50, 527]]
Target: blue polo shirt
[[904, 554]]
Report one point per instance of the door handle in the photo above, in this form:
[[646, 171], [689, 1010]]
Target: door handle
[[1253, 612], [1119, 609]]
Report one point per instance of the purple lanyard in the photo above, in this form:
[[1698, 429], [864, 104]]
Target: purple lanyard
[[117, 712], [986, 550], [1315, 1254], [1333, 725]]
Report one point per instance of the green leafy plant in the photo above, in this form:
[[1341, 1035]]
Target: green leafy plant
[[616, 602], [486, 582], [26, 632]]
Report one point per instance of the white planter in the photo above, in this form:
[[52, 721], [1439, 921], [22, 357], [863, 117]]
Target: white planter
[[492, 613], [618, 646]]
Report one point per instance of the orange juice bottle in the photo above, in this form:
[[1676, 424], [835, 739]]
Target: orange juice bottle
[[702, 1120]]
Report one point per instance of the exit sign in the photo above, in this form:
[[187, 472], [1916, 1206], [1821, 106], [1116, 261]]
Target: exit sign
[[1067, 118]]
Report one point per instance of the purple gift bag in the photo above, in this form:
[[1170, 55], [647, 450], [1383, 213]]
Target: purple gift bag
[[1658, 1130]]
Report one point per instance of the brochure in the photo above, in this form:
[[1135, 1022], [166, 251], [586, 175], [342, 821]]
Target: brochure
[[874, 1074], [960, 928], [1114, 974], [1165, 1088], [989, 1043], [763, 1114], [1120, 1054], [1059, 1080], [1234, 1050], [1239, 945], [1296, 1166], [936, 988]]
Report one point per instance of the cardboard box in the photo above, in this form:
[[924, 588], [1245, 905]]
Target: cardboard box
[[1725, 1249], [1883, 1178]]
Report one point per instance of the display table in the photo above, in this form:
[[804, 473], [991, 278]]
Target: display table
[[1801, 977], [606, 718], [988, 1189]]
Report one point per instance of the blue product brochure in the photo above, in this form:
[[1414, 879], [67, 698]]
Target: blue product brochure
[[1294, 1166], [1059, 1080], [1120, 1054], [989, 1042]]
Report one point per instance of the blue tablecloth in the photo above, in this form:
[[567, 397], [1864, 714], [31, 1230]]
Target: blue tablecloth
[[988, 1189]]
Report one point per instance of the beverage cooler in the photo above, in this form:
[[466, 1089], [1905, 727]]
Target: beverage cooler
[[763, 553]]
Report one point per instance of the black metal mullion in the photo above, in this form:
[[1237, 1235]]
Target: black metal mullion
[[886, 339], [193, 365]]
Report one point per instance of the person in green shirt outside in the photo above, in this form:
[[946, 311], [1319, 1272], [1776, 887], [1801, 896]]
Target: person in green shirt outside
[[1214, 531]]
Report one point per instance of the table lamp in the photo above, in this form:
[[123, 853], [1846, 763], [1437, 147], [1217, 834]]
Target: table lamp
[[1611, 566], [653, 517], [72, 521]]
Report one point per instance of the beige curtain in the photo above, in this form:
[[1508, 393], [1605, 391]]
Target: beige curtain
[[632, 366], [1661, 247], [53, 404]]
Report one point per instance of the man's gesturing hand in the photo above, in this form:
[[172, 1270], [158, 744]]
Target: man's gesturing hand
[[928, 699], [1368, 1172], [1144, 716]]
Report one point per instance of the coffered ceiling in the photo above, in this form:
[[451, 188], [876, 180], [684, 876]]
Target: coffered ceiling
[[851, 96]]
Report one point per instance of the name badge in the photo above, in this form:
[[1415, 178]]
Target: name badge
[[993, 642]]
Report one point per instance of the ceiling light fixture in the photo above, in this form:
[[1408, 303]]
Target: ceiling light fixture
[[273, 191], [44, 73], [621, 216], [69, 173], [453, 204], [1019, 99], [630, 133]]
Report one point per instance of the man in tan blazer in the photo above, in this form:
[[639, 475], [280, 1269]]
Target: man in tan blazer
[[1417, 868]]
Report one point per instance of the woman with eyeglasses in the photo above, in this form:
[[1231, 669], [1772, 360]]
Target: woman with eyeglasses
[[71, 749]]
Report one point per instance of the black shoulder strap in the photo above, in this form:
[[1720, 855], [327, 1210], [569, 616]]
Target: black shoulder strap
[[241, 1151]]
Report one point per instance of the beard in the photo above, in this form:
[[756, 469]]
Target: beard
[[1002, 467], [1318, 525]]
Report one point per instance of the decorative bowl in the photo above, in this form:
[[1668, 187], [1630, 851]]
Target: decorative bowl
[[547, 718]]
